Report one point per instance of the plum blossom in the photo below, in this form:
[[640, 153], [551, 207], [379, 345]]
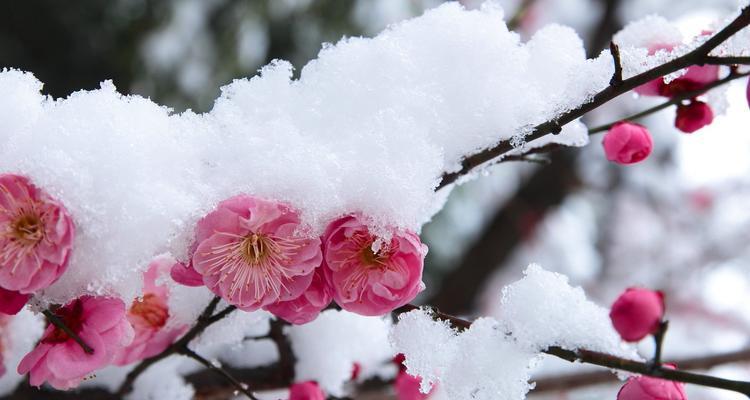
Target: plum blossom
[[371, 275], [58, 359], [149, 316], [254, 252], [407, 387], [627, 143], [648, 388], [306, 307], [11, 302], [36, 236], [637, 313], [306, 391], [695, 78], [693, 116]]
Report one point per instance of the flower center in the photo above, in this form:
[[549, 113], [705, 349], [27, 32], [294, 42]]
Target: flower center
[[27, 229], [370, 258], [256, 248], [151, 309], [72, 317]]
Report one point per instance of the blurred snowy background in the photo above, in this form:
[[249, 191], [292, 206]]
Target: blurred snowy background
[[678, 222]]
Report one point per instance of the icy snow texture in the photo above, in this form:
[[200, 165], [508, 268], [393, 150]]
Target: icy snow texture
[[370, 126], [492, 359], [338, 339], [19, 337]]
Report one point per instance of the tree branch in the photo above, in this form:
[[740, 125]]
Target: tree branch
[[218, 370], [204, 321], [609, 361], [698, 56], [56, 321]]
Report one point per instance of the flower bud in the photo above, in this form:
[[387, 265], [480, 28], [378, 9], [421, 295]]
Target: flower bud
[[648, 388], [693, 116], [637, 313], [306, 391], [627, 143]]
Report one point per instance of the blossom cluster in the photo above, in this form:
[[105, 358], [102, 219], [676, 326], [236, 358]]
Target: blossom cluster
[[253, 253]]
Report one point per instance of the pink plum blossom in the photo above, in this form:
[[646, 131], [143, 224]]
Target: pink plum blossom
[[11, 302], [36, 236], [648, 388], [695, 78], [149, 316], [306, 391], [254, 252], [58, 359], [186, 275], [637, 313], [371, 276], [306, 307], [693, 116], [627, 143]]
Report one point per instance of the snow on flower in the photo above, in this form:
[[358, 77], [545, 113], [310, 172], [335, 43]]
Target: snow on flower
[[627, 143], [149, 316], [61, 361], [306, 307], [36, 236], [372, 275], [254, 252]]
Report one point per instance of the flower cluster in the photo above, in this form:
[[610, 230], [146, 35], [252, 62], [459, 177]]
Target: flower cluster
[[695, 114], [257, 254]]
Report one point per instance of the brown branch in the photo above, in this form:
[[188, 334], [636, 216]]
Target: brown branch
[[572, 381], [204, 321], [696, 57], [241, 387], [609, 361], [617, 76], [56, 321]]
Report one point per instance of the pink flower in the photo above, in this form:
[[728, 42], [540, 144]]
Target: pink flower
[[36, 236], [253, 252], [371, 276], [695, 78], [407, 387], [148, 317], [637, 313], [186, 275], [306, 391], [627, 143], [58, 359], [12, 302], [648, 388], [306, 307], [693, 116]]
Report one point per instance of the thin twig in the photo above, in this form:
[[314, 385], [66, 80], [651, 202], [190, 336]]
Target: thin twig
[[204, 321], [609, 361], [56, 321], [659, 343], [696, 57], [614, 49], [208, 364]]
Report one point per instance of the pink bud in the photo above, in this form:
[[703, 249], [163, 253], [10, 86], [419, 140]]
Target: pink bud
[[637, 313], [627, 143], [693, 116], [648, 388], [306, 391]]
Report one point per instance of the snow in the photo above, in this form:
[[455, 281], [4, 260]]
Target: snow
[[18, 337], [136, 177], [493, 358], [338, 339]]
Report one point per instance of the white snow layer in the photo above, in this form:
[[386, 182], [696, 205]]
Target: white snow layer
[[369, 126], [492, 359]]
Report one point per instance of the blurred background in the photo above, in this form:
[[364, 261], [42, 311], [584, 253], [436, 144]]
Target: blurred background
[[678, 222]]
